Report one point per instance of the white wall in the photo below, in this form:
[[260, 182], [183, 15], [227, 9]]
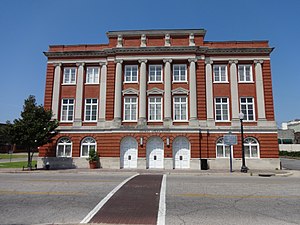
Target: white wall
[[289, 147]]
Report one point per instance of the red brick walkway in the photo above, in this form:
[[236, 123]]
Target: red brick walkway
[[136, 202]]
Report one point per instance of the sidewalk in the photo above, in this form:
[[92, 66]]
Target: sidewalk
[[282, 173]]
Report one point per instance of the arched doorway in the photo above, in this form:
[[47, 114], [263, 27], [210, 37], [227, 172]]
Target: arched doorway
[[155, 153], [181, 153], [129, 152]]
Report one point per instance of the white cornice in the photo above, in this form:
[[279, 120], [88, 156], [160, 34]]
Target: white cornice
[[78, 61], [155, 91], [136, 58], [180, 91], [130, 91]]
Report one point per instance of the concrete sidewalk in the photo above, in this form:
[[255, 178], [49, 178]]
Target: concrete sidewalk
[[283, 173]]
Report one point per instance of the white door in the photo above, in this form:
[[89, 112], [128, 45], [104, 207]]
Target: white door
[[129, 153], [155, 153], [181, 153]]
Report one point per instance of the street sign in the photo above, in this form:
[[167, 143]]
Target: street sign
[[230, 139]]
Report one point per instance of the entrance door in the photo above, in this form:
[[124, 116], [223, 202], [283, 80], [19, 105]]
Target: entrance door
[[181, 153], [155, 153], [129, 153]]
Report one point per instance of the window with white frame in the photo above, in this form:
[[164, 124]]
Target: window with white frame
[[131, 74], [155, 73], [179, 73], [91, 109], [245, 73], [64, 147], [92, 75], [180, 108], [87, 145], [222, 150], [154, 108], [222, 109], [67, 110], [247, 108], [69, 75], [251, 147], [220, 73], [130, 108]]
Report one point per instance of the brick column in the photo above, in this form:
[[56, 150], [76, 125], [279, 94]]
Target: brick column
[[260, 97]]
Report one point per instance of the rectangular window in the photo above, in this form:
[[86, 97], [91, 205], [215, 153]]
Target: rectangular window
[[69, 76], [67, 110], [247, 107], [245, 73], [155, 73], [180, 108], [155, 108], [130, 109], [179, 73], [221, 109], [131, 74], [91, 109], [92, 75], [220, 73]]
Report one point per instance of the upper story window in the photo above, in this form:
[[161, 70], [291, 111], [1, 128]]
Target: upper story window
[[179, 73], [155, 108], [221, 109], [220, 73], [247, 108], [67, 110], [69, 75], [92, 75], [245, 73], [180, 108], [131, 74], [91, 109], [130, 108], [155, 73]]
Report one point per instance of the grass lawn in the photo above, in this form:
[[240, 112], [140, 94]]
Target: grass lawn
[[16, 164], [13, 156]]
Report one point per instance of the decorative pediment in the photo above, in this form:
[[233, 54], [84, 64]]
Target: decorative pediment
[[180, 91], [130, 91], [155, 91]]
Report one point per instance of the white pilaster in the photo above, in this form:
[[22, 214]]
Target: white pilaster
[[193, 93], [260, 91], [102, 103], [209, 93], [143, 93], [234, 93], [79, 94], [56, 90], [118, 93], [167, 93]]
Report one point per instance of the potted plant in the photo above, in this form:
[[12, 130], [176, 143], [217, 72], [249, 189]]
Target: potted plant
[[93, 159]]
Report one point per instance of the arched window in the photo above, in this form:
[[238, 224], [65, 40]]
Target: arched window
[[87, 144], [64, 147], [251, 147], [222, 150]]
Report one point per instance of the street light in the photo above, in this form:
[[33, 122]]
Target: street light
[[244, 168]]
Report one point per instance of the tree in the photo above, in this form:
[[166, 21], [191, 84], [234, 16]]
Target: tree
[[35, 127]]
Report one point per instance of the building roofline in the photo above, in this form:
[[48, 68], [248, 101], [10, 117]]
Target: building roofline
[[156, 32]]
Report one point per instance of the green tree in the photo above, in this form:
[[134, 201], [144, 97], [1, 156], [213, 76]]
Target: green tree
[[35, 127]]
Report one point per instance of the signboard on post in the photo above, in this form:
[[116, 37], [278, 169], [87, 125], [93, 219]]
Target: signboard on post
[[230, 139]]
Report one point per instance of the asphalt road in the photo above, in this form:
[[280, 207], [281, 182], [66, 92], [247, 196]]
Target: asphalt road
[[290, 164], [56, 197]]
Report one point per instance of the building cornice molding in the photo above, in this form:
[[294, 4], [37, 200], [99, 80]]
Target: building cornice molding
[[162, 32], [155, 91], [180, 91], [130, 91], [241, 51]]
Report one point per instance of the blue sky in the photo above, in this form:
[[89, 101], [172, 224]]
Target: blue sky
[[29, 27]]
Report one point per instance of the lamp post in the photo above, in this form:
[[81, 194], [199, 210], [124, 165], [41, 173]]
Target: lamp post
[[244, 168]]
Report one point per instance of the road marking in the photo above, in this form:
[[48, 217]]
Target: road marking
[[234, 196], [162, 202], [40, 193], [74, 181], [103, 201]]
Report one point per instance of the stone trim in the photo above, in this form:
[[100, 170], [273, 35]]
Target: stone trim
[[130, 91], [180, 91], [155, 91]]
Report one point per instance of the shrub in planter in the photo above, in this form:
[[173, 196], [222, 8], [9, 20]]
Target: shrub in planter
[[93, 158]]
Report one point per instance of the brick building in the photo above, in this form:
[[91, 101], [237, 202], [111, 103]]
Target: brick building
[[161, 99]]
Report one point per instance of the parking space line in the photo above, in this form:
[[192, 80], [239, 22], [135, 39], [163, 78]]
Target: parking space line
[[40, 193], [234, 196], [103, 201], [162, 202]]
